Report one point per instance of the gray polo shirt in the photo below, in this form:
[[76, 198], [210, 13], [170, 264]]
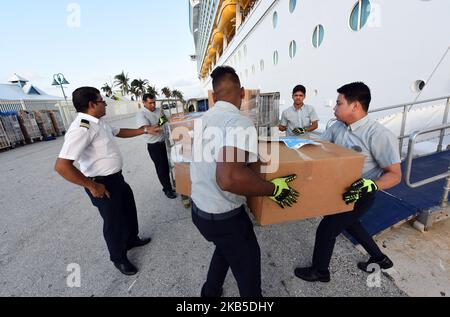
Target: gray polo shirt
[[224, 121], [303, 118], [368, 137], [146, 117]]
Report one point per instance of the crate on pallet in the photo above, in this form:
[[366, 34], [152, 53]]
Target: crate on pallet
[[45, 123], [10, 121], [29, 126], [4, 141], [57, 122]]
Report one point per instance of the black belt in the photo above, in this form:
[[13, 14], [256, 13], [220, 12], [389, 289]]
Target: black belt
[[216, 217], [109, 177]]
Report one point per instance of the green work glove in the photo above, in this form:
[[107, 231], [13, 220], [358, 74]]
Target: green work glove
[[299, 131], [162, 120], [284, 195], [359, 189]]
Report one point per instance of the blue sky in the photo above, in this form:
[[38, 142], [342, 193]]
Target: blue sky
[[147, 38]]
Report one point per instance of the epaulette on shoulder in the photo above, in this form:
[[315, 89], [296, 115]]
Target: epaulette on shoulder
[[85, 124]]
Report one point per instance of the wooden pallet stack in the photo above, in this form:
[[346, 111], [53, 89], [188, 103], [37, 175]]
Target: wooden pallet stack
[[4, 141], [12, 128], [45, 124], [29, 126], [57, 122]]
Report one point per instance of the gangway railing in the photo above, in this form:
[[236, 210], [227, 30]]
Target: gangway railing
[[409, 164]]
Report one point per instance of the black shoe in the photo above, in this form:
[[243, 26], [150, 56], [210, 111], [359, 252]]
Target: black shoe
[[205, 294], [310, 274], [126, 267], [170, 194], [139, 243], [384, 264]]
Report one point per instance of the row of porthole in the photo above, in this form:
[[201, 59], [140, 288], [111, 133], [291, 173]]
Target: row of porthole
[[358, 19]]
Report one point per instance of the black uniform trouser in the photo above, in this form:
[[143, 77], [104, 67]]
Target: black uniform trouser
[[120, 223], [332, 226], [236, 248], [158, 154]]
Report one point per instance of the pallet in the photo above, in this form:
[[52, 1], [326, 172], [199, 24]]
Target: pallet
[[34, 140]]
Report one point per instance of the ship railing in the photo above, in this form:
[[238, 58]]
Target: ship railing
[[406, 109], [427, 218], [409, 164]]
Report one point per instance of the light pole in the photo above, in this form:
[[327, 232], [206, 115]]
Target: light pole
[[60, 80]]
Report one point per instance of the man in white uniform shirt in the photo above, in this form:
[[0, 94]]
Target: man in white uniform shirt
[[150, 115], [300, 119], [90, 142], [220, 186], [356, 131]]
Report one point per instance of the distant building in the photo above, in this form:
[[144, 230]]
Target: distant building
[[20, 94]]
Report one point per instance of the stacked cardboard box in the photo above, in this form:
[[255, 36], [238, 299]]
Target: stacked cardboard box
[[29, 126], [45, 123], [11, 125], [57, 122]]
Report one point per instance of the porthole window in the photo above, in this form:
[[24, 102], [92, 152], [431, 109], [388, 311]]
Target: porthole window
[[318, 35], [360, 14], [275, 58], [292, 49], [418, 85], [292, 5], [261, 65], [275, 19]]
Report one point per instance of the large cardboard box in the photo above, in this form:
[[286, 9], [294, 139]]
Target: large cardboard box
[[183, 179], [324, 173]]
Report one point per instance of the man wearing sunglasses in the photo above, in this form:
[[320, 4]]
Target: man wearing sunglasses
[[90, 142]]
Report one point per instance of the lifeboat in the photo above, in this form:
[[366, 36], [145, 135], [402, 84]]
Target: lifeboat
[[245, 3], [217, 40], [227, 13]]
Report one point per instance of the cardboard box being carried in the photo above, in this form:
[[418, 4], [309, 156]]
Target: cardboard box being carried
[[323, 174], [183, 179]]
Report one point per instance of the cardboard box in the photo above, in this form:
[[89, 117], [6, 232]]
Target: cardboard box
[[183, 179], [324, 173]]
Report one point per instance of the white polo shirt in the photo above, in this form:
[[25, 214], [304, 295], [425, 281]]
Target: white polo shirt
[[91, 142], [303, 118], [368, 137], [227, 120]]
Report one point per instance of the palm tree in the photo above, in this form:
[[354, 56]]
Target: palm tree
[[138, 87], [152, 91], [166, 92], [122, 81], [107, 89], [178, 94]]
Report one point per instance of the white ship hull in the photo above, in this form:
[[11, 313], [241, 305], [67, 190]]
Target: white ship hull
[[402, 43]]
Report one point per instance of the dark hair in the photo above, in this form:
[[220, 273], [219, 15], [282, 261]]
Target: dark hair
[[299, 88], [357, 92], [148, 96], [82, 96], [223, 73]]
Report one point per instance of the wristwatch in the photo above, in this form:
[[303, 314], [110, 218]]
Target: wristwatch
[[145, 130]]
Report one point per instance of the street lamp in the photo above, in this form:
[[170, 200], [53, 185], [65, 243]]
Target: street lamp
[[60, 80]]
